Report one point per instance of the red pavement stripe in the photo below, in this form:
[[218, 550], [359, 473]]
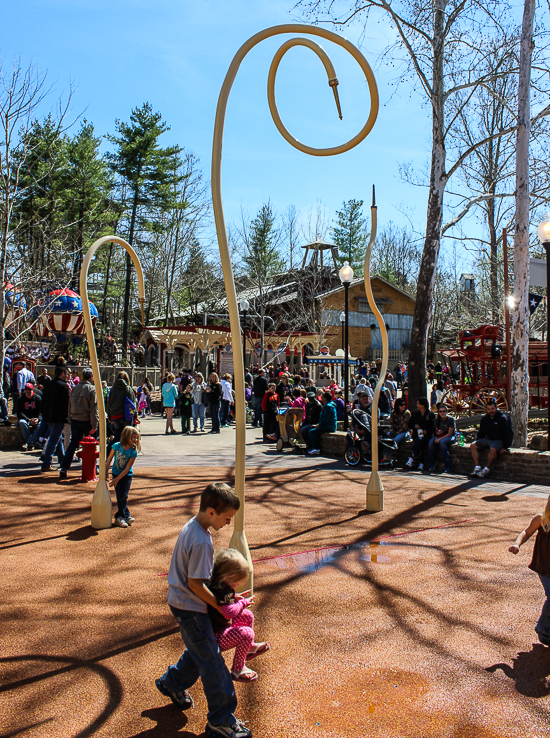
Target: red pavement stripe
[[336, 548]]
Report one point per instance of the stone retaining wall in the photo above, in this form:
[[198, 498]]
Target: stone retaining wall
[[519, 465], [10, 436]]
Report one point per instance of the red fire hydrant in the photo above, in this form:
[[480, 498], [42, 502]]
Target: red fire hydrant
[[88, 454]]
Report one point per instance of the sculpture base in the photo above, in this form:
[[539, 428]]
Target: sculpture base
[[238, 541], [375, 493], [102, 508]]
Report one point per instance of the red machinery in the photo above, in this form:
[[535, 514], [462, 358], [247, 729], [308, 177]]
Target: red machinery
[[483, 372], [88, 454]]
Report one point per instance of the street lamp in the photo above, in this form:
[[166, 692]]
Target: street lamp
[[342, 321], [543, 232], [346, 277], [245, 307]]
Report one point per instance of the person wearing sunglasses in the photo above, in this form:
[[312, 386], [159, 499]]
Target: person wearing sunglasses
[[443, 437]]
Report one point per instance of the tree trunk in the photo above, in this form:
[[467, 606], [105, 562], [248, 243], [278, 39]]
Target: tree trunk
[[128, 285], [520, 315], [438, 180]]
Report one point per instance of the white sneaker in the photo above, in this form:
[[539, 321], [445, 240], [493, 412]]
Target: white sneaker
[[484, 472], [421, 467], [475, 471], [130, 519], [121, 523], [314, 452], [409, 463]]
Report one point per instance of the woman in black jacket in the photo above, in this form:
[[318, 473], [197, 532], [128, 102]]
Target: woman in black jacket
[[214, 394]]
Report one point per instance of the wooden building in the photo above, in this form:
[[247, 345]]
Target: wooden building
[[396, 305]]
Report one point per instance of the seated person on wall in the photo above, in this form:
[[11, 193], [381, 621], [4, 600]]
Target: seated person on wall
[[29, 414], [444, 436], [327, 424], [384, 404], [422, 424], [340, 405], [363, 414], [400, 419], [495, 433]]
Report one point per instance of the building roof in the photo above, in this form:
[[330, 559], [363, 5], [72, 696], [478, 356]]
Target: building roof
[[360, 280]]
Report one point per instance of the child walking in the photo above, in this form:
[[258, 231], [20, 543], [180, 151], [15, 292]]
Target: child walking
[[188, 597], [232, 621], [540, 564], [185, 406], [123, 454]]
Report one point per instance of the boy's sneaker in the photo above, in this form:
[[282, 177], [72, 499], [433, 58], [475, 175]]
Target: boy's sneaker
[[420, 467], [313, 452], [484, 472], [62, 474], [474, 471], [121, 523], [181, 698], [409, 463], [129, 519], [237, 730]]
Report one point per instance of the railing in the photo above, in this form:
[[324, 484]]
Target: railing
[[137, 374]]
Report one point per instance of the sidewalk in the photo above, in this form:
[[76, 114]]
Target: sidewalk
[[411, 623]]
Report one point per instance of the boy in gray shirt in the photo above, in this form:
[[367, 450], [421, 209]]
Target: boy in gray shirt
[[188, 597]]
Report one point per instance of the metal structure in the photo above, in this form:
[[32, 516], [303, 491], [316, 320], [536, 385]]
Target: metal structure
[[101, 501], [238, 540]]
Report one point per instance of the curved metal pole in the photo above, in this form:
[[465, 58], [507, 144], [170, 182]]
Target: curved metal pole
[[101, 501], [238, 539], [375, 488]]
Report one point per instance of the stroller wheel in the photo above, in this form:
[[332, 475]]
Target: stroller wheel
[[280, 444], [352, 456]]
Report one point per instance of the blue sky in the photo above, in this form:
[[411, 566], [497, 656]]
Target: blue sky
[[175, 55]]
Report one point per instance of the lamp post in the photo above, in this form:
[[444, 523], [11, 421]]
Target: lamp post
[[101, 501], [543, 232], [245, 307], [238, 539], [346, 277], [342, 321]]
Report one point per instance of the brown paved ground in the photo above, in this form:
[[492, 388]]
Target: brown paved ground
[[426, 633]]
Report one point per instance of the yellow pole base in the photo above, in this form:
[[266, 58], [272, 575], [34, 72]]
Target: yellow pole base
[[375, 493], [238, 541], [102, 508]]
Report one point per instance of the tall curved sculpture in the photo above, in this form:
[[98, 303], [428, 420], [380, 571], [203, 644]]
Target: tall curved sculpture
[[238, 540], [101, 501]]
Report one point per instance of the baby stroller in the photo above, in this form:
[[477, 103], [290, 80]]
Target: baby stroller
[[359, 443], [290, 421]]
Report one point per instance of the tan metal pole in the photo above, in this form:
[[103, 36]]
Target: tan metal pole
[[101, 501], [238, 540], [507, 317], [375, 488]]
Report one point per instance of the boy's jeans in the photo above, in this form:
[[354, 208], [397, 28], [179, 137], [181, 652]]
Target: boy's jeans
[[202, 658], [443, 444], [54, 445]]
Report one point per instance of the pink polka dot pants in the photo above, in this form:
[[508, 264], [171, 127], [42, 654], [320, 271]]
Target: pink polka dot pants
[[240, 636]]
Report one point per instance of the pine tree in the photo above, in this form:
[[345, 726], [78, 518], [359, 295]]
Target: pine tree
[[350, 234], [146, 173], [262, 258]]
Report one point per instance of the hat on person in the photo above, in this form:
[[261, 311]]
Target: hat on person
[[311, 394], [30, 386]]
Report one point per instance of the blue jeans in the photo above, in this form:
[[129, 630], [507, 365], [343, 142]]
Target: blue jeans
[[79, 429], [202, 658], [215, 416], [54, 445], [29, 432], [199, 411], [443, 444], [400, 437], [542, 628], [122, 488], [258, 412], [224, 413]]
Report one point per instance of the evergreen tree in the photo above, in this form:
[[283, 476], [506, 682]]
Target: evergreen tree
[[350, 234], [88, 188], [146, 175], [262, 259]]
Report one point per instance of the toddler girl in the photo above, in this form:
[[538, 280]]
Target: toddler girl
[[233, 623], [123, 455], [540, 564]]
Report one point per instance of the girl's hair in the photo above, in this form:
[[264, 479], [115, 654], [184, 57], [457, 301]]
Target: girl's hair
[[229, 564], [214, 378], [199, 376], [124, 376], [303, 393], [227, 377], [126, 436], [545, 521], [399, 403], [170, 377]]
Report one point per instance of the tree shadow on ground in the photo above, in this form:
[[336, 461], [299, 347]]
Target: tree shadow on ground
[[530, 671]]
